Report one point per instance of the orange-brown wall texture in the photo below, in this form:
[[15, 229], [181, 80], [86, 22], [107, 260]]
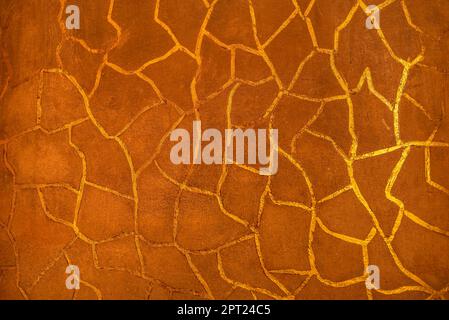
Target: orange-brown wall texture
[[86, 179]]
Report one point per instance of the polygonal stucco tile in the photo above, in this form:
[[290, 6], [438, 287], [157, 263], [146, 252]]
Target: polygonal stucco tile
[[407, 295], [287, 58], [317, 80], [95, 28], [241, 262], [215, 68], [289, 184], [184, 18], [80, 63], [39, 240], [8, 285], [391, 275], [328, 173], [421, 87], [106, 162], [442, 134], [303, 4], [7, 190], [423, 252], [213, 112], [173, 76], [60, 202], [207, 266], [120, 253], [261, 296], [142, 39], [230, 22], [336, 260], [111, 284], [250, 67], [205, 177], [291, 115], [61, 102], [202, 225], [7, 255], [19, 108], [121, 285], [32, 36], [250, 103], [402, 38], [439, 166], [52, 283], [315, 289], [119, 98], [5, 72], [182, 295], [100, 208], [270, 15], [333, 121], [240, 294], [373, 122], [156, 209], [418, 196], [414, 124], [241, 181], [38, 157], [372, 175], [284, 237], [290, 281], [85, 293], [435, 54], [431, 17], [359, 48], [169, 266], [177, 295], [146, 133], [159, 293], [346, 215], [325, 24], [377, 2]]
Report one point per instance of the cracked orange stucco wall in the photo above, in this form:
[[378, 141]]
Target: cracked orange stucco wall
[[86, 177]]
